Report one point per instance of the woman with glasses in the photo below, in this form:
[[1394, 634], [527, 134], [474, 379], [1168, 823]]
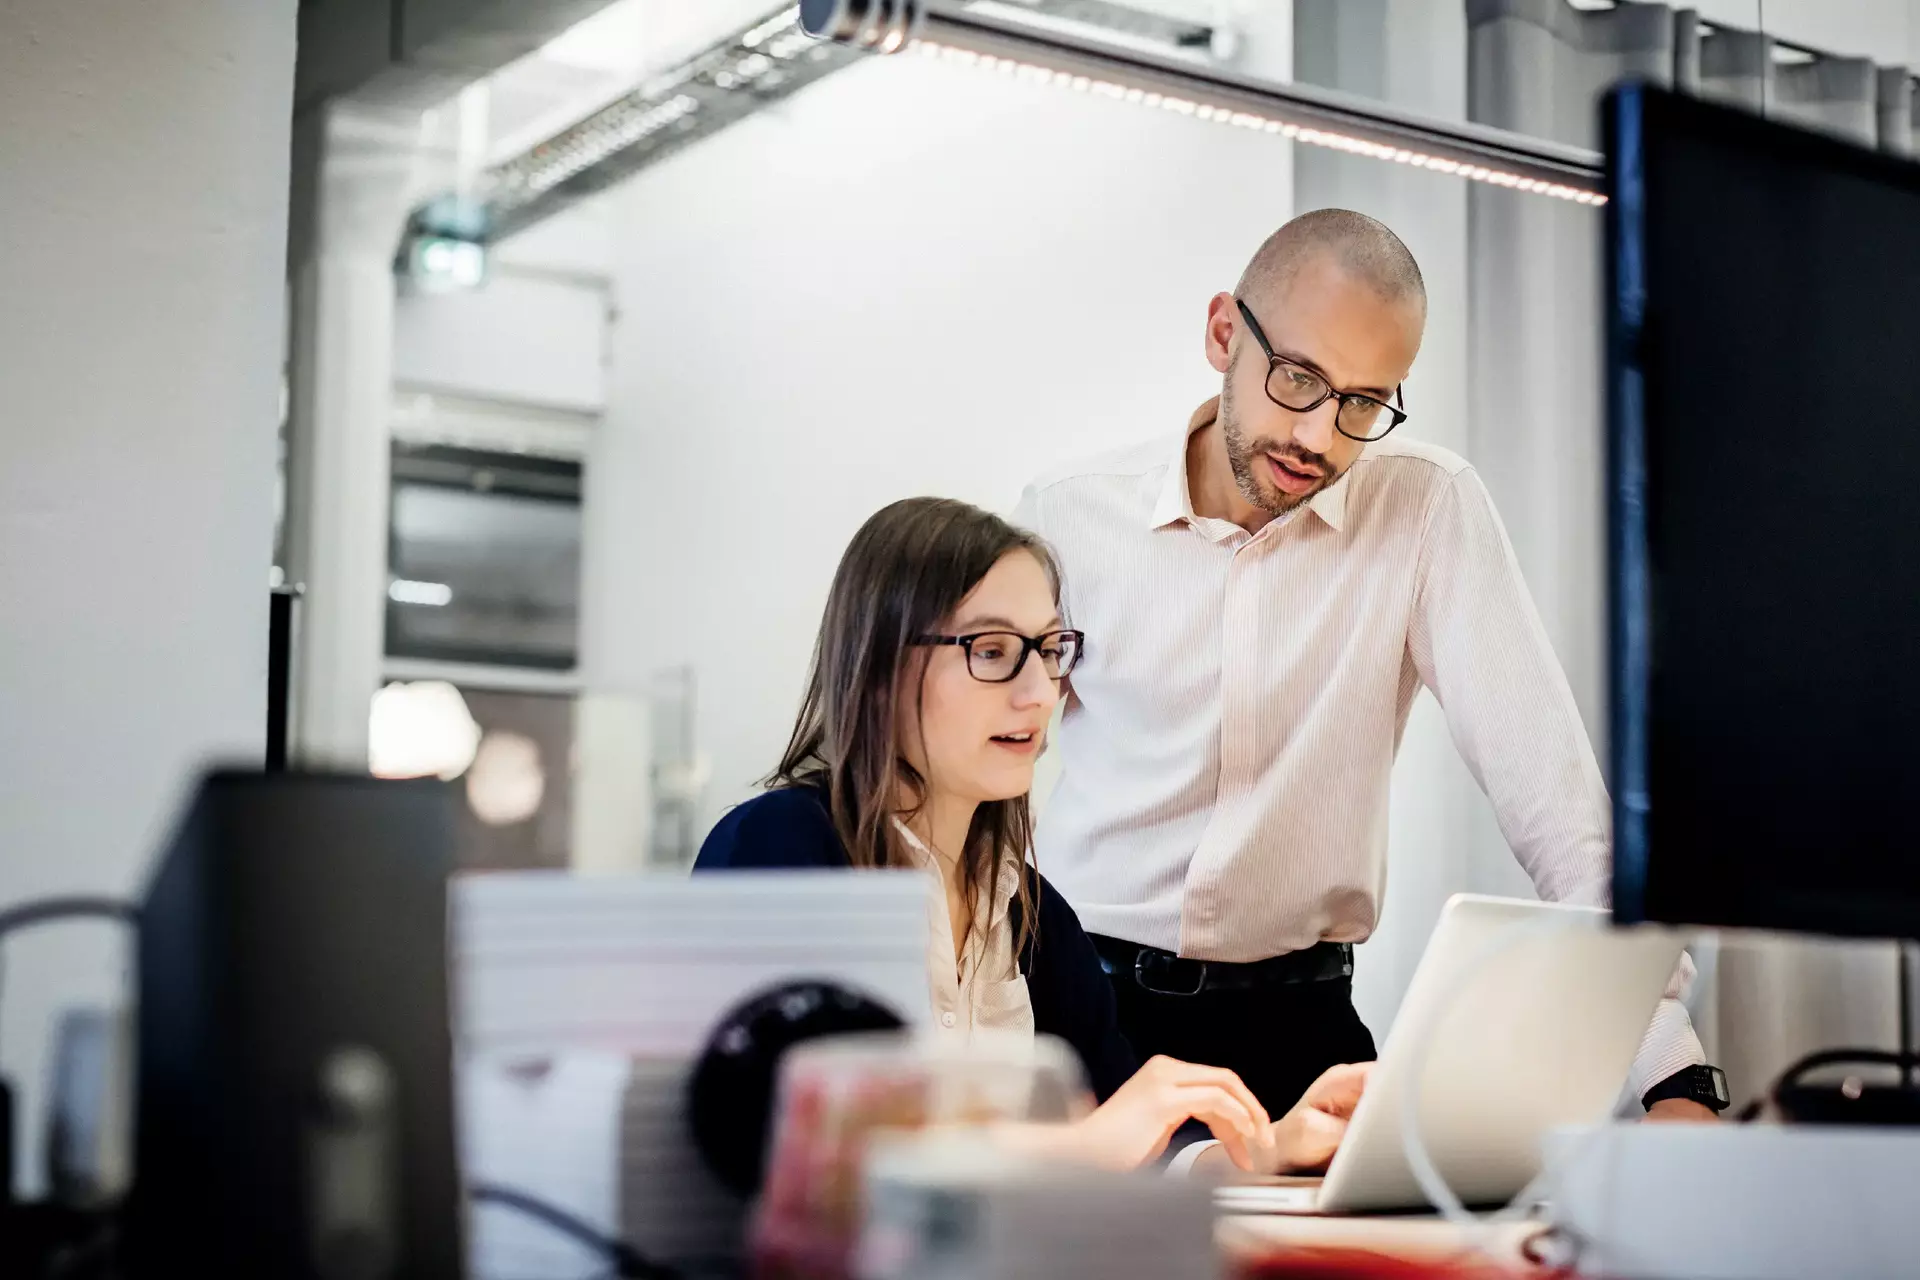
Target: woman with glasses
[[938, 665]]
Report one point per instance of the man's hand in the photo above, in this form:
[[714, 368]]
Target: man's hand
[[1305, 1139], [1681, 1111]]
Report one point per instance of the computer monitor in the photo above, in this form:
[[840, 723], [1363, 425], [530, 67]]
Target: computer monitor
[[1764, 499], [294, 1112]]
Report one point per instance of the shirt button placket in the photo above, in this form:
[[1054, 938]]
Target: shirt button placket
[[1200, 906], [1238, 635]]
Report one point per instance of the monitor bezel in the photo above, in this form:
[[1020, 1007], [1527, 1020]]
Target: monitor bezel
[[1629, 112]]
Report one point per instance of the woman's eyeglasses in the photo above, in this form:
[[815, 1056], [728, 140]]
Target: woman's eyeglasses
[[996, 657]]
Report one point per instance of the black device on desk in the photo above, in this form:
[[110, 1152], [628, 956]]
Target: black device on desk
[[1764, 507], [294, 1113]]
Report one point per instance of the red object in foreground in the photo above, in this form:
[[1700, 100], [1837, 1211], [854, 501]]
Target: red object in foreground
[[1326, 1263]]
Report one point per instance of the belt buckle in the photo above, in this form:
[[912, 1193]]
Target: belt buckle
[[1140, 976]]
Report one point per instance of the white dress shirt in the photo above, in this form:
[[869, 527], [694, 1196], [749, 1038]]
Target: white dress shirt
[[985, 990], [1230, 731]]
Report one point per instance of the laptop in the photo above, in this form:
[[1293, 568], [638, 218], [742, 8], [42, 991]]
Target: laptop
[[1541, 1007]]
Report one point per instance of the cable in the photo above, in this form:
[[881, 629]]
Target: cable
[[1905, 989], [1850, 1057], [72, 906], [627, 1261], [67, 907], [1426, 1172]]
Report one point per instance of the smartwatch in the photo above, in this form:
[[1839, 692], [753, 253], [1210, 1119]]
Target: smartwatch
[[1702, 1084]]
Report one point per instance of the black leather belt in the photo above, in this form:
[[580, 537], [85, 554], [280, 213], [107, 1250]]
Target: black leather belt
[[1167, 974]]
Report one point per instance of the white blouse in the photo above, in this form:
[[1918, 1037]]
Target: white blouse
[[985, 991]]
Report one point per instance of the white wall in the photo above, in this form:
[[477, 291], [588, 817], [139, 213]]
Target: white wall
[[143, 208], [534, 335], [912, 278], [527, 338]]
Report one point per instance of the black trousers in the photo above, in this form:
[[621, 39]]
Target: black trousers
[[1277, 1038]]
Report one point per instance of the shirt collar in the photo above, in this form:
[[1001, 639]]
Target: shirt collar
[[1006, 879], [1176, 495]]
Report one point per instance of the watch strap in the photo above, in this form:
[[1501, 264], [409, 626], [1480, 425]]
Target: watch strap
[[1700, 1083]]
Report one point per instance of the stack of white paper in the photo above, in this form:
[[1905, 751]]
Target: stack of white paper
[[556, 976]]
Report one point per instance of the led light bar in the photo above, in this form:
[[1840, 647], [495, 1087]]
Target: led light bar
[[994, 41]]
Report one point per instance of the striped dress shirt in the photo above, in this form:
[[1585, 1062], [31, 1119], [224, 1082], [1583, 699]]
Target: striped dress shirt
[[1229, 734]]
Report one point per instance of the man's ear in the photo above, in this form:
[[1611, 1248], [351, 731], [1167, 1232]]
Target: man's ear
[[1223, 321]]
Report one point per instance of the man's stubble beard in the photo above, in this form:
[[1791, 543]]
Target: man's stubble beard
[[1244, 454]]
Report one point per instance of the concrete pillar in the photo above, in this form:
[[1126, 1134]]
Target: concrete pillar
[[143, 219], [356, 170]]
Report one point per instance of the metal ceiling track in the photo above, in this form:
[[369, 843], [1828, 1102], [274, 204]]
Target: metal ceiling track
[[1094, 46]]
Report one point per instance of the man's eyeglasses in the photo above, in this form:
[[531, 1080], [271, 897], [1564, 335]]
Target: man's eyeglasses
[[1296, 387], [997, 657]]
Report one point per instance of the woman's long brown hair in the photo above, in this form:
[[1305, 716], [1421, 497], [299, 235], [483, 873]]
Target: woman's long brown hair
[[903, 575]]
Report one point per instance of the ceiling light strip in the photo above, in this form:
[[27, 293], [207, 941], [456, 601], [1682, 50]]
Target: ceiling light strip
[[1299, 113]]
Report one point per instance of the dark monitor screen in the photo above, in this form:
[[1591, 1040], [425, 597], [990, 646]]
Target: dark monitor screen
[[1764, 498]]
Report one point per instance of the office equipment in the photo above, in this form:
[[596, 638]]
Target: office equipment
[[484, 557], [950, 1206], [1763, 465], [283, 616], [515, 1113], [646, 964], [25, 915], [1739, 1202], [294, 1114], [1521, 1018], [554, 968], [1765, 621], [90, 1131], [731, 1092]]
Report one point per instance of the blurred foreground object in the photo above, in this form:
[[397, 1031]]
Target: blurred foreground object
[[958, 1205], [1741, 1201], [294, 1097], [730, 1096], [619, 983], [839, 1097]]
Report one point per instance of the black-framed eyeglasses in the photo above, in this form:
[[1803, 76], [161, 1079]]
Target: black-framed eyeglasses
[[1294, 386], [996, 657]]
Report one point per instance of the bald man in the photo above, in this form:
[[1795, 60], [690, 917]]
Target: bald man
[[1264, 595]]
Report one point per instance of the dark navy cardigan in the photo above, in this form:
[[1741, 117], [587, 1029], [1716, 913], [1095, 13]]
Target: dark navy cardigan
[[790, 828]]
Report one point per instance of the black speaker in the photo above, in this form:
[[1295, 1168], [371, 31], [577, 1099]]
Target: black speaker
[[294, 1115], [732, 1091]]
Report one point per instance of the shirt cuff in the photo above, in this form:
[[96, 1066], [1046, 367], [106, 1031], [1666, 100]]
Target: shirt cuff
[[1669, 1046], [1182, 1162]]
